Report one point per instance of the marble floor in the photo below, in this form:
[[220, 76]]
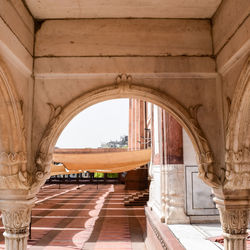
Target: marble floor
[[192, 237]]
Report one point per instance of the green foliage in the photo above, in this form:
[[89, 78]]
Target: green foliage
[[112, 175], [98, 175]]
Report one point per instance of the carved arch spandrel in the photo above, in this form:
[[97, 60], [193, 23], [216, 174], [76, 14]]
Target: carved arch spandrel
[[13, 156], [238, 134], [125, 88]]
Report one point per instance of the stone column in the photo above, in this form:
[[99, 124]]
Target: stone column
[[16, 216], [173, 171], [174, 198], [234, 223]]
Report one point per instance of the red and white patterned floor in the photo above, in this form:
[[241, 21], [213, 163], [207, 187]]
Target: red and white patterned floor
[[87, 218]]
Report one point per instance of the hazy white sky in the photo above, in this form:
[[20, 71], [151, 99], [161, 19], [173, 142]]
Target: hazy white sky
[[99, 123]]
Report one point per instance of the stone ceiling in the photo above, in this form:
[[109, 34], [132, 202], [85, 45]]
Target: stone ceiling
[[62, 9]]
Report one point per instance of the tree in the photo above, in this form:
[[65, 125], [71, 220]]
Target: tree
[[122, 143]]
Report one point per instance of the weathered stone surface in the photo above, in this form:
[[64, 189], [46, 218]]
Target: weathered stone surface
[[20, 22], [124, 37], [227, 20], [173, 194], [47, 9], [14, 50], [173, 65], [238, 44], [70, 67]]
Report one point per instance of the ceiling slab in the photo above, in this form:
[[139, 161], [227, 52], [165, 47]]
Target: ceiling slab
[[62, 9]]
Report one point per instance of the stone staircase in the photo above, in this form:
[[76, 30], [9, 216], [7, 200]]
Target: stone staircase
[[137, 199]]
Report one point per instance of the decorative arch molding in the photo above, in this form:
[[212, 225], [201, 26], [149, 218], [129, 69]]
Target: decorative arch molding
[[238, 134], [124, 88], [13, 156]]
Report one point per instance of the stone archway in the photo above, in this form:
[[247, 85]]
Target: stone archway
[[125, 88]]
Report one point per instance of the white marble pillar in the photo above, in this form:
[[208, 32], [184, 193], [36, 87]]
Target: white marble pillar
[[16, 216], [155, 202], [174, 194], [234, 224]]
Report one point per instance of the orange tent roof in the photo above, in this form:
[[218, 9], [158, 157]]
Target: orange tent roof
[[109, 162]]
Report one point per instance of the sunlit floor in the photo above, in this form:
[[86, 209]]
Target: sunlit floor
[[87, 218], [95, 218]]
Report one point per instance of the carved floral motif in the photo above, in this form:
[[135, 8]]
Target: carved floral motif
[[237, 169], [123, 78], [16, 220], [234, 221], [10, 159]]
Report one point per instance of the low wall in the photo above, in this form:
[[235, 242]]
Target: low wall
[[158, 236]]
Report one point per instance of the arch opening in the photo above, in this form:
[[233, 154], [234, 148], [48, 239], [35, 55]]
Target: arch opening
[[124, 88]]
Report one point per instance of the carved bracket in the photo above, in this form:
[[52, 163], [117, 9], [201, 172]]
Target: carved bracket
[[43, 160], [123, 82], [205, 157]]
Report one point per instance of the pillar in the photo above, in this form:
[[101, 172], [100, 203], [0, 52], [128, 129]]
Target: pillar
[[234, 207], [137, 124], [234, 223], [173, 171], [16, 215]]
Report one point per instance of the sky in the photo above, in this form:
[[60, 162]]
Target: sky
[[99, 123]]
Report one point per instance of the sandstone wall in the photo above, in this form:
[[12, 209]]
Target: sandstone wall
[[16, 52]]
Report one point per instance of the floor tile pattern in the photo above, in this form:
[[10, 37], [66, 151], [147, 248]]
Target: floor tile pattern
[[87, 217]]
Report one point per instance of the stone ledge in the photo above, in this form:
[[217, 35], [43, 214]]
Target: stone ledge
[[159, 235], [204, 219]]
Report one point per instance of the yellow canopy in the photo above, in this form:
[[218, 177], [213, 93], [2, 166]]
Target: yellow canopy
[[105, 162]]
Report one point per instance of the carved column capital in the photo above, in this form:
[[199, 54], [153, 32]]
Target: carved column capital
[[234, 221], [16, 219]]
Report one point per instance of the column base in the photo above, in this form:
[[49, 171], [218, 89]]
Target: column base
[[15, 241], [176, 216]]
